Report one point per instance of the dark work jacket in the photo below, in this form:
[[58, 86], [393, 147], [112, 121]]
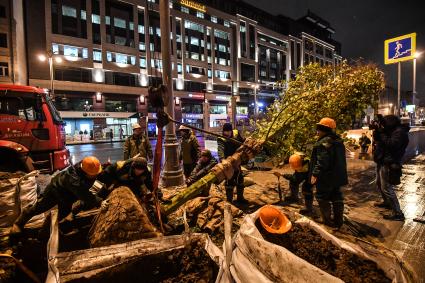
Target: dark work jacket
[[201, 170], [189, 150], [390, 146], [71, 185], [121, 174], [226, 147], [328, 162]]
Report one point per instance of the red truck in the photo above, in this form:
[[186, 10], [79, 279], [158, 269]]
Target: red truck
[[32, 134]]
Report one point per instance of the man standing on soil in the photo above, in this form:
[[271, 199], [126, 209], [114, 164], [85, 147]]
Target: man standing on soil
[[300, 164], [390, 140], [364, 142], [328, 171], [138, 143], [227, 148], [205, 164], [189, 150], [67, 187]]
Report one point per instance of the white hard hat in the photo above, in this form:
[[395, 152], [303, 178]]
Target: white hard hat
[[136, 126], [183, 127]]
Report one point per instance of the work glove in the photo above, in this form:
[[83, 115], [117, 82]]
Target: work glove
[[104, 205]]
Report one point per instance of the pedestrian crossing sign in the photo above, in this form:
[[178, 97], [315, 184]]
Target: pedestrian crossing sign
[[401, 48]]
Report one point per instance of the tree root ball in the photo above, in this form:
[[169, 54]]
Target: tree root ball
[[124, 220]]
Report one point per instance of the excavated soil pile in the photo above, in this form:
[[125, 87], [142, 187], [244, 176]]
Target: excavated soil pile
[[125, 219], [310, 246], [189, 264]]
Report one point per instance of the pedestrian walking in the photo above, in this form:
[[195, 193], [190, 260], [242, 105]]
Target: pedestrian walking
[[227, 148], [138, 143], [111, 134], [300, 164], [121, 133], [328, 172], [67, 187], [364, 143], [390, 139], [205, 164], [189, 150]]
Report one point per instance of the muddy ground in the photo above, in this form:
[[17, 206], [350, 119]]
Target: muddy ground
[[190, 264], [310, 246]]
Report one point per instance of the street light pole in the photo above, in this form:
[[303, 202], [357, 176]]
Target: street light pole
[[255, 103], [398, 89], [173, 174]]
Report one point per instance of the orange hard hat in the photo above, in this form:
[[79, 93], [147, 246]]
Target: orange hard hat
[[274, 220], [296, 161], [91, 166], [327, 122]]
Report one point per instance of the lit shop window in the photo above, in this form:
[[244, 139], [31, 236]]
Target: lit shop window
[[97, 55], [185, 10], [95, 19], [70, 51], [200, 15], [69, 11]]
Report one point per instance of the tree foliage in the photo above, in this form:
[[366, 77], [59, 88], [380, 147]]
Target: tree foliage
[[341, 93]]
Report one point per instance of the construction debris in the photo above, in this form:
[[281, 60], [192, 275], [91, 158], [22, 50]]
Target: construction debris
[[125, 219]]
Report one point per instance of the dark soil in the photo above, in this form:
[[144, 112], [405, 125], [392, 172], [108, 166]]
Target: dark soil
[[310, 246], [191, 264]]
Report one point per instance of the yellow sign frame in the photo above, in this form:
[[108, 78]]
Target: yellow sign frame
[[194, 5], [413, 49]]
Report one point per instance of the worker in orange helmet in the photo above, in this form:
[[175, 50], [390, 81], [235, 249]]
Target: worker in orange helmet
[[328, 172], [68, 186], [300, 164]]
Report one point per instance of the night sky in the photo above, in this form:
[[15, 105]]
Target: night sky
[[362, 26]]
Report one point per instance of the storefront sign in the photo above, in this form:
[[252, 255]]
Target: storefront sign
[[192, 95], [83, 114], [192, 116], [193, 5], [218, 116], [222, 97]]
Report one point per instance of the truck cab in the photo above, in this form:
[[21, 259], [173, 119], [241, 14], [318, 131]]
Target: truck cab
[[32, 134]]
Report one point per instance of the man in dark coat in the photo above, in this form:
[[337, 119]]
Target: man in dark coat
[[364, 142], [189, 150], [205, 164], [328, 171], [227, 148], [390, 143], [65, 188]]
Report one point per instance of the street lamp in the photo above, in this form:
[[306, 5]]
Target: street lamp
[[49, 57], [256, 86]]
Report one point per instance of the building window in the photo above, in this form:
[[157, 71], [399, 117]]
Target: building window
[[70, 51], [109, 56], [221, 48], [3, 40], [222, 61], [194, 56], [179, 68], [83, 15], [107, 20], [120, 23], [194, 26], [142, 46], [156, 63], [55, 48], [221, 34], [141, 29], [194, 41], [142, 62], [247, 73], [222, 74], [97, 55], [200, 15], [209, 73], [4, 69], [85, 53], [213, 19], [69, 11], [158, 31], [185, 10], [121, 58], [95, 19], [152, 47], [227, 24]]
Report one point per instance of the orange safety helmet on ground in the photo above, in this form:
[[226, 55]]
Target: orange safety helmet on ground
[[327, 122], [91, 166], [296, 161], [274, 220]]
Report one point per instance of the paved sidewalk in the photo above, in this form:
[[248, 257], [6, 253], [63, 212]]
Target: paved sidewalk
[[406, 239]]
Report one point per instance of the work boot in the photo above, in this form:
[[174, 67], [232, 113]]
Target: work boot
[[240, 198], [395, 216], [338, 210], [308, 210], [382, 205], [291, 199], [229, 194], [325, 211]]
